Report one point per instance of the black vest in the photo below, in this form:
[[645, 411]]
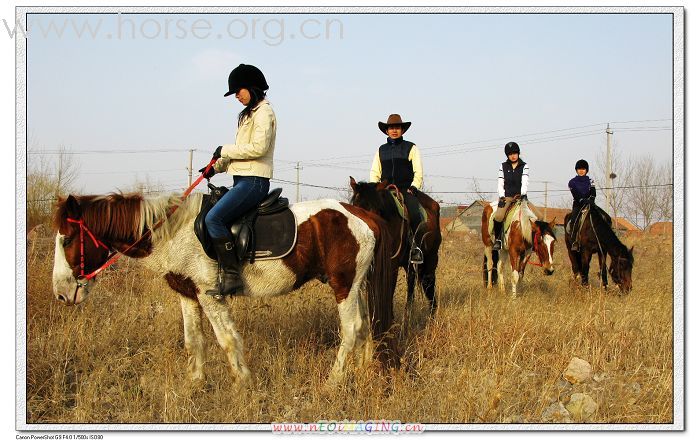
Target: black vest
[[396, 168], [513, 177]]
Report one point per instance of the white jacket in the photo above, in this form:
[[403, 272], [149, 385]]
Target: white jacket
[[252, 153]]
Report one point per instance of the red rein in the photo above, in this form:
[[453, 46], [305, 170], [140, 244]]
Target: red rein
[[534, 247], [113, 258]]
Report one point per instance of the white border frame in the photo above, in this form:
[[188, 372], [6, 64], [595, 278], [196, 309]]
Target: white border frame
[[678, 210]]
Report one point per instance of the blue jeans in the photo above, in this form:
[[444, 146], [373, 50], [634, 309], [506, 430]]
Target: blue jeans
[[246, 193]]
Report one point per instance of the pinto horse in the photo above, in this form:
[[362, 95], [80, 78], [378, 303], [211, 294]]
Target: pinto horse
[[521, 238], [345, 246], [377, 198], [596, 236]]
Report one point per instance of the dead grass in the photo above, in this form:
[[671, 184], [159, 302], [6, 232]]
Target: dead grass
[[120, 358]]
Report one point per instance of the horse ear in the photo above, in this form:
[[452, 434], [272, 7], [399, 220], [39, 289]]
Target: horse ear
[[552, 224], [632, 248], [72, 207], [353, 184], [383, 184]]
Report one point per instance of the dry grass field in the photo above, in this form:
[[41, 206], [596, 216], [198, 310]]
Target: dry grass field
[[485, 357]]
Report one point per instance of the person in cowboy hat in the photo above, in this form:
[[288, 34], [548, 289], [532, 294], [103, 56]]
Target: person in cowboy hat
[[513, 178], [583, 191], [398, 162], [249, 161]]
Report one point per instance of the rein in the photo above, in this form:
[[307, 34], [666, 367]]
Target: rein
[[399, 197], [534, 246], [116, 255]]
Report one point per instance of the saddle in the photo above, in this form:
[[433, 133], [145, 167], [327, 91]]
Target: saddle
[[510, 216], [266, 232], [403, 211]]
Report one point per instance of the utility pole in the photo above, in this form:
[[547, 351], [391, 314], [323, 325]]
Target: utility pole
[[298, 168], [545, 198], [189, 170], [608, 169]]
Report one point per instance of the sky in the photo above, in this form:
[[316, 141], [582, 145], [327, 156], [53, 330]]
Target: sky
[[144, 89]]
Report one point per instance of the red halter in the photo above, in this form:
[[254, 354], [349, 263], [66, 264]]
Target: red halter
[[113, 258]]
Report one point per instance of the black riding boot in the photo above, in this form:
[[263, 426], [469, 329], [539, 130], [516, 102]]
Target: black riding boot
[[229, 279], [498, 234]]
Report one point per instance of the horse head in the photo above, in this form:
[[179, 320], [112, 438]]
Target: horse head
[[368, 195], [621, 270], [543, 244], [77, 251]]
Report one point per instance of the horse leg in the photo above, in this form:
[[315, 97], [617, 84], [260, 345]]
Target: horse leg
[[194, 338], [585, 266], [226, 335], [427, 279], [515, 271], [499, 272], [410, 283], [354, 330], [603, 269], [488, 267]]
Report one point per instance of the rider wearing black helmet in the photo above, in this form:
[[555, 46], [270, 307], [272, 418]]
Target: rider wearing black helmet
[[583, 191], [513, 177]]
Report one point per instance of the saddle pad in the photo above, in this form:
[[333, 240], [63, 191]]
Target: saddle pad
[[275, 235], [510, 216]]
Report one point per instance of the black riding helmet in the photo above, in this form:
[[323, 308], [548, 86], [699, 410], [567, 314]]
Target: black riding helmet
[[512, 147], [581, 164], [245, 76]]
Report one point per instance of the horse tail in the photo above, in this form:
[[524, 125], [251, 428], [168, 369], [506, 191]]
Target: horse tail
[[380, 298]]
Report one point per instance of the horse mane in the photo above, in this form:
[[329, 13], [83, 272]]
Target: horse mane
[[126, 216], [545, 228], [384, 200], [525, 223], [607, 236]]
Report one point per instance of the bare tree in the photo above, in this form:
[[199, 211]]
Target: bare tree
[[620, 178], [643, 197], [665, 191], [47, 179]]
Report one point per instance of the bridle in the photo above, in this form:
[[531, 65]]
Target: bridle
[[111, 259], [98, 243]]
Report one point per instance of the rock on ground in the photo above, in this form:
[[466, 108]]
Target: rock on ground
[[581, 406], [578, 371]]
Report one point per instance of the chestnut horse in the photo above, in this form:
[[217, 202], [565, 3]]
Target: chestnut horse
[[377, 198], [520, 239], [346, 246], [596, 236]]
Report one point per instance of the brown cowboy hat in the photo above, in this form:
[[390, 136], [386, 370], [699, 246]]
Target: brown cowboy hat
[[394, 119]]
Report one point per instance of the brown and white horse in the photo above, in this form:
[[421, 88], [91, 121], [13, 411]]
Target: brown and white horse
[[346, 245], [522, 237]]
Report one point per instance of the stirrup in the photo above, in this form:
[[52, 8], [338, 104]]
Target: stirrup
[[497, 245], [575, 246], [416, 256]]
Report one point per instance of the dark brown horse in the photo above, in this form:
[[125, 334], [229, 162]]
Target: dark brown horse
[[377, 198], [596, 236]]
